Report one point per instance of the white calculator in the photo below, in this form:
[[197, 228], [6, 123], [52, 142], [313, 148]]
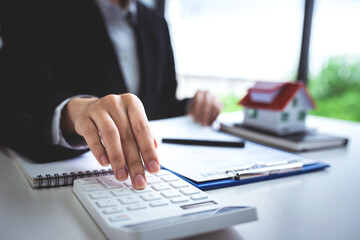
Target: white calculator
[[168, 207]]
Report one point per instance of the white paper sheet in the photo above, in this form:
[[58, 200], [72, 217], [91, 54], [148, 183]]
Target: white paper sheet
[[201, 163]]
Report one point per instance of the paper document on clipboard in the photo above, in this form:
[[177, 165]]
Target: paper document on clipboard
[[202, 163]]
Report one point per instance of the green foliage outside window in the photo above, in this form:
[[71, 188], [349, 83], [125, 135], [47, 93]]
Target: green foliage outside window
[[230, 103], [336, 90]]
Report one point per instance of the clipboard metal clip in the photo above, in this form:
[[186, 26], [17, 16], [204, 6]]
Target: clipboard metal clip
[[266, 169]]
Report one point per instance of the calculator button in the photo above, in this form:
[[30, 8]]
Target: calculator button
[[100, 194], [160, 186], [150, 197], [179, 184], [153, 180], [162, 173], [179, 199], [189, 191], [127, 183], [200, 196], [159, 203], [146, 190], [169, 178], [111, 182], [93, 187], [137, 206], [150, 177], [119, 218], [88, 180], [113, 210], [121, 192], [129, 199], [106, 203], [170, 193]]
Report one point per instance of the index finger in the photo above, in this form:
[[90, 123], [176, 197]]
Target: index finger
[[145, 141]]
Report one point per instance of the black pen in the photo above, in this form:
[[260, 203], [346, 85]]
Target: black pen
[[200, 142]]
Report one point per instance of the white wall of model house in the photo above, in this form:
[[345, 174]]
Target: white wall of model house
[[290, 120]]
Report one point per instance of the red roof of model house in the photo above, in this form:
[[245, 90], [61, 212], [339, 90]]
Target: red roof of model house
[[274, 95]]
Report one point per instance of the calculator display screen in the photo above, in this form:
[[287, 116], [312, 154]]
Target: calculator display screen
[[203, 204]]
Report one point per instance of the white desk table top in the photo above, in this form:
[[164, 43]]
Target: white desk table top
[[318, 205]]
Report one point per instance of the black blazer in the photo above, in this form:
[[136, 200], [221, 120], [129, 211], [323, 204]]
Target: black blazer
[[57, 49]]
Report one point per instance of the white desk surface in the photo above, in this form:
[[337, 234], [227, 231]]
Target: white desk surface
[[318, 205]]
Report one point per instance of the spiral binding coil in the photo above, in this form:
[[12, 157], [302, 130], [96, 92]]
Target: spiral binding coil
[[64, 179]]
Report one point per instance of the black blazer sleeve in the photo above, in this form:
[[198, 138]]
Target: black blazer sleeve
[[28, 96]]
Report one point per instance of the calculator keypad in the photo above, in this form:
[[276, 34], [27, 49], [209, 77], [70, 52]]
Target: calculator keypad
[[117, 201], [168, 208]]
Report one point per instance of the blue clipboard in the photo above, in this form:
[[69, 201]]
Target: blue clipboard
[[232, 182]]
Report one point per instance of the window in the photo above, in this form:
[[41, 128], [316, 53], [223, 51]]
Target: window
[[334, 60], [285, 116], [252, 113], [324, 43], [295, 102], [301, 115], [224, 46]]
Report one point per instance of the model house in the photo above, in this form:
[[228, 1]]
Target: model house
[[278, 107]]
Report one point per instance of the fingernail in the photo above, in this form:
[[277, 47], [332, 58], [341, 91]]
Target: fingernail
[[139, 181], [153, 166], [104, 160], [122, 174], [155, 143]]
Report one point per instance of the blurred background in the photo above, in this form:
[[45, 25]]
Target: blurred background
[[225, 46]]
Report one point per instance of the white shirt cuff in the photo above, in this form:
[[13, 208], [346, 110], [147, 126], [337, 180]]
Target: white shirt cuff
[[57, 137]]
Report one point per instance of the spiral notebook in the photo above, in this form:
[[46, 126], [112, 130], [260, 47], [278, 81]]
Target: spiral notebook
[[59, 173]]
